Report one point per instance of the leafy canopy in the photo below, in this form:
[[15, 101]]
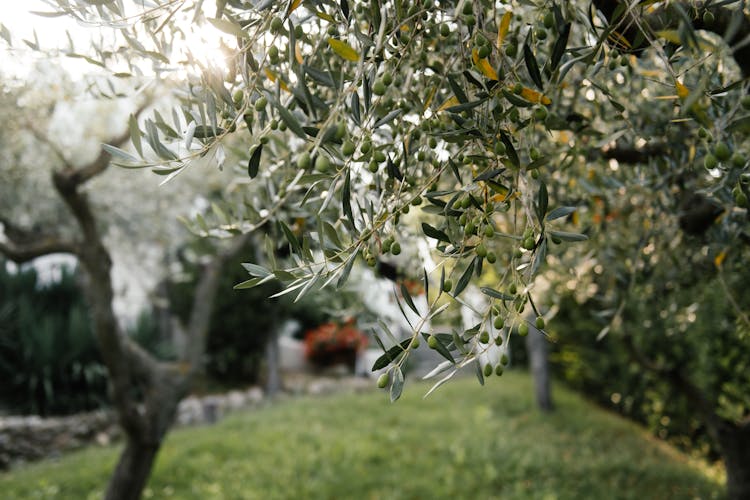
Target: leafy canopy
[[486, 128]]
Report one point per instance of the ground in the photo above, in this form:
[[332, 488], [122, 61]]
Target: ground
[[464, 441]]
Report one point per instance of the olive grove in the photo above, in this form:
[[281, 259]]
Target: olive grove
[[517, 137]]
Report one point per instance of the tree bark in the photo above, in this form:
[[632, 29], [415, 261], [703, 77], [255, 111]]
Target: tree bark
[[735, 446], [536, 346], [273, 383], [133, 470]]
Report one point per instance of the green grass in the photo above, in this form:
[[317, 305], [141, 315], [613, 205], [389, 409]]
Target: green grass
[[463, 442]]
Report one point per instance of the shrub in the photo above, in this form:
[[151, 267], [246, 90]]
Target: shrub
[[333, 343], [49, 361]]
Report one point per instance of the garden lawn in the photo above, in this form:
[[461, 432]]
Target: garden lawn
[[462, 442]]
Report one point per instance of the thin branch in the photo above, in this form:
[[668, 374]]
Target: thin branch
[[81, 175], [50, 144], [737, 309], [23, 245], [20, 253]]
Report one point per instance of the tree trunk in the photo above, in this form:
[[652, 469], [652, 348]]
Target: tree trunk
[[273, 382], [735, 449], [536, 346], [133, 470]]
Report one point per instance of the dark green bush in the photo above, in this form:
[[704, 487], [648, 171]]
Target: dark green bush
[[691, 327], [49, 362], [244, 320]]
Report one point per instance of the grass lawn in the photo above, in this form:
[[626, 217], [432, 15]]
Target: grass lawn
[[463, 442]]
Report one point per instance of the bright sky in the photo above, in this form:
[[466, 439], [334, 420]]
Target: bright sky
[[17, 18], [52, 33]]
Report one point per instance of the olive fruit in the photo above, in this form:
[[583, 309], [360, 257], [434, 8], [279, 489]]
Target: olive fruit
[[378, 88], [710, 161], [261, 103], [539, 323], [540, 114], [549, 20], [447, 285], [304, 161], [348, 148], [523, 329], [432, 342], [322, 163], [738, 160], [276, 24], [722, 151], [383, 380]]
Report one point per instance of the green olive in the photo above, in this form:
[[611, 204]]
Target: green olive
[[304, 161], [523, 329]]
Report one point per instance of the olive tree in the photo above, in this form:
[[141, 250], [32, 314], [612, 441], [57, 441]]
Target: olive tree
[[477, 125], [60, 197]]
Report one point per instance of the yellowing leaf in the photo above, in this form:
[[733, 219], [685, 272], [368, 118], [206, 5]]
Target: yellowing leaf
[[430, 96], [293, 5], [483, 65], [532, 95], [620, 41], [503, 30], [325, 17], [272, 76], [499, 198], [682, 91], [343, 49], [453, 101], [719, 260], [670, 36], [298, 53]]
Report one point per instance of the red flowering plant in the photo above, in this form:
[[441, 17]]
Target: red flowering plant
[[332, 343]]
